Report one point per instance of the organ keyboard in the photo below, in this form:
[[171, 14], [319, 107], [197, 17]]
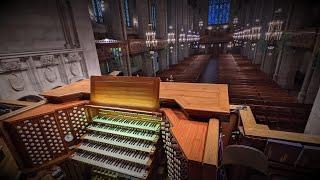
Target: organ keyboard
[[129, 143], [120, 141]]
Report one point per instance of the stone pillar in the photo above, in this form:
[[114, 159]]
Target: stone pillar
[[163, 61], [116, 31], [279, 59], [143, 17], [313, 124], [313, 87], [172, 21], [269, 61], [162, 31], [288, 68], [148, 65], [307, 78], [260, 50], [86, 38], [180, 25]]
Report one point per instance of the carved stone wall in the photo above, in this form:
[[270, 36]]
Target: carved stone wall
[[44, 45], [32, 73]]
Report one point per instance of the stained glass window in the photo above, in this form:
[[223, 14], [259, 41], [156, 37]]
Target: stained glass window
[[154, 16], [98, 9], [218, 12], [127, 13]]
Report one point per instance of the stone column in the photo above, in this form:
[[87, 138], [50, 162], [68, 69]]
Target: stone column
[[116, 21], [282, 45], [162, 31], [288, 68], [172, 21], [148, 65], [163, 59], [313, 87], [307, 78], [143, 17], [278, 64], [260, 50], [86, 38], [269, 62], [313, 124]]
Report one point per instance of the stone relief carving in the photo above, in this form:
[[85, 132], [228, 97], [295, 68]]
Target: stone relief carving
[[47, 60], [74, 69], [50, 74], [16, 81], [73, 57], [10, 65], [37, 67]]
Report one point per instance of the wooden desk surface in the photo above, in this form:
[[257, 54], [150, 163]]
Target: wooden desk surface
[[251, 128], [190, 96]]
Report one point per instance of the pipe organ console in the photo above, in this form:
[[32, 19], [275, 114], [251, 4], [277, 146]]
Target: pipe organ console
[[121, 132], [123, 135]]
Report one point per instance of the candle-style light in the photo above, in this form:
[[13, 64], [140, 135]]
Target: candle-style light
[[171, 39], [151, 41]]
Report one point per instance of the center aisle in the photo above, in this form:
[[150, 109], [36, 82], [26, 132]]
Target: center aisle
[[210, 73]]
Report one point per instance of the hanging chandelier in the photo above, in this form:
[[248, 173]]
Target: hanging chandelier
[[189, 36], [171, 38], [249, 34], [151, 41], [182, 37], [200, 24], [255, 33], [274, 32]]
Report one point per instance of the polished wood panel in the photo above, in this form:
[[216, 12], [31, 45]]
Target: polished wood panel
[[73, 91], [211, 150], [44, 109], [251, 128], [199, 97], [212, 98], [199, 142], [191, 135], [25, 107], [129, 92]]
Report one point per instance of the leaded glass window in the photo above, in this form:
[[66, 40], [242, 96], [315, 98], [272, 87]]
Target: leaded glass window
[[98, 10], [127, 13], [218, 12], [154, 16]]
